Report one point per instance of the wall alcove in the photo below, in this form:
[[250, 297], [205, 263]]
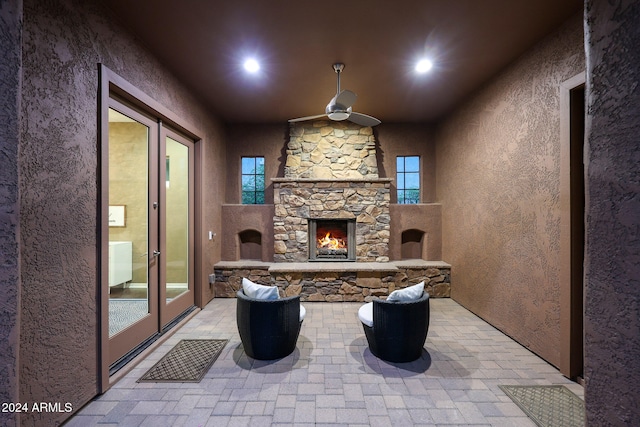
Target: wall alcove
[[250, 243], [413, 244]]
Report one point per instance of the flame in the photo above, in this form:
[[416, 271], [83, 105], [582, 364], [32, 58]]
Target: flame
[[330, 242]]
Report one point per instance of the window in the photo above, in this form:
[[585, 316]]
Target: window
[[408, 179], [252, 180]]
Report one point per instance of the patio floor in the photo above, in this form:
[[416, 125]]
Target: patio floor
[[332, 378]]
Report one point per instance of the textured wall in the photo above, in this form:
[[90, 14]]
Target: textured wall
[[268, 141], [407, 139], [63, 43], [238, 218], [612, 262], [10, 85], [424, 217], [498, 179]]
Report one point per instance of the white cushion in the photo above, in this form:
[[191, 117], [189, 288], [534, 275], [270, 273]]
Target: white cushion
[[410, 293], [256, 291], [303, 312], [365, 314]]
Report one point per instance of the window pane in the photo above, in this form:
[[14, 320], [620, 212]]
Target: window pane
[[248, 197], [248, 165], [253, 180], [412, 196], [259, 182], [412, 164], [412, 180], [408, 179], [248, 183]]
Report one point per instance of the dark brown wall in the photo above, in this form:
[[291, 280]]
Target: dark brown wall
[[239, 218], [405, 139], [10, 86], [612, 261], [498, 162], [63, 43], [424, 217], [255, 140]]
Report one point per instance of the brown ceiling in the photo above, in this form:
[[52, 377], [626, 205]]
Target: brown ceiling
[[205, 42]]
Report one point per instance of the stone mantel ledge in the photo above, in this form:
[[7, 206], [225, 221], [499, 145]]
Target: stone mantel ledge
[[349, 180], [332, 281], [329, 266]]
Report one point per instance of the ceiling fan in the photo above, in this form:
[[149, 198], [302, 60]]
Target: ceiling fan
[[339, 108]]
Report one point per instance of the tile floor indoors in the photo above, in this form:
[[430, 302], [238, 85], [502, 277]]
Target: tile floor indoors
[[332, 378]]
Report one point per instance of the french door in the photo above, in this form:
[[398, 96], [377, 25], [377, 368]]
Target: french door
[[150, 229]]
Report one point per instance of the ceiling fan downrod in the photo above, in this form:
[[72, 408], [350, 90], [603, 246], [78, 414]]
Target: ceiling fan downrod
[[338, 67]]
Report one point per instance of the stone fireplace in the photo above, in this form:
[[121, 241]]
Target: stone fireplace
[[331, 179], [328, 234], [365, 203]]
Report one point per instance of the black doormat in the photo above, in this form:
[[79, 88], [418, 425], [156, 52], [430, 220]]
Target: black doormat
[[188, 361], [548, 406]]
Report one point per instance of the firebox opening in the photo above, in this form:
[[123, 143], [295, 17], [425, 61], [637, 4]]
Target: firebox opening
[[332, 240]]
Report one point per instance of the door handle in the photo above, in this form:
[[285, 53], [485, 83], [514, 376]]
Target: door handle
[[156, 253]]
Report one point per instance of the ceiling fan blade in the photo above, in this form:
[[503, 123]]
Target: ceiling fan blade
[[302, 119], [346, 98], [363, 119]]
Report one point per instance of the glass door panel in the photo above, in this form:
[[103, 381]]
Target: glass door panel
[[177, 223], [177, 214], [128, 221], [131, 266]]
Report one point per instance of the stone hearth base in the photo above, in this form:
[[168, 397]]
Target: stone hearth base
[[334, 281]]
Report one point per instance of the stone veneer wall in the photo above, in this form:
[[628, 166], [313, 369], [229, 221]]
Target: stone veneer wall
[[331, 150], [298, 200], [337, 283]]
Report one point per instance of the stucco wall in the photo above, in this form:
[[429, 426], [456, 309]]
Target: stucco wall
[[267, 140], [426, 218], [408, 139], [612, 261], [63, 43], [498, 179], [10, 85], [239, 218]]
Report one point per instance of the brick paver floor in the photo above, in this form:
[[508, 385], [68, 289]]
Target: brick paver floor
[[332, 379]]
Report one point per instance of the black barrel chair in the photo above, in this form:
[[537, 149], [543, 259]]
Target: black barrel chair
[[268, 328], [399, 329]]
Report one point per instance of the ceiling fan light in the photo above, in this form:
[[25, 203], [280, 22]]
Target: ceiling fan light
[[338, 115]]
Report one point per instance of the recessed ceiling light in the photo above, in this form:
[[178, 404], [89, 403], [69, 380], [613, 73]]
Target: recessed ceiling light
[[251, 65], [423, 66]]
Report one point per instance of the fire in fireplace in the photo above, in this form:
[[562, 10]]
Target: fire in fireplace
[[332, 240]]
